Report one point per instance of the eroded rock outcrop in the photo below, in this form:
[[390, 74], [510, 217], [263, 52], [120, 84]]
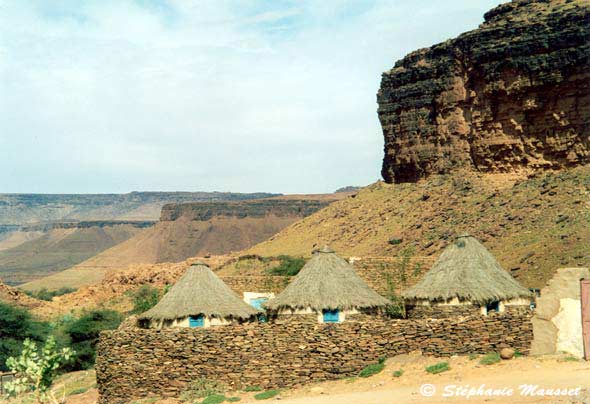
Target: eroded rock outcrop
[[513, 94]]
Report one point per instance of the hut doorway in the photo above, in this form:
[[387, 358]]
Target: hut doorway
[[331, 316], [196, 321], [493, 307], [585, 300]]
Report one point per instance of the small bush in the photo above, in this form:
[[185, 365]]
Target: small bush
[[473, 357], [48, 295], [438, 368], [201, 388], [395, 241], [570, 359], [267, 394], [214, 399], [16, 325], [253, 388], [78, 391], [84, 332], [145, 298], [518, 354], [490, 359], [233, 399], [398, 373], [372, 369], [289, 266]]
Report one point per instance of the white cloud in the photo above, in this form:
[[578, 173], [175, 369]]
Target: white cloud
[[113, 96]]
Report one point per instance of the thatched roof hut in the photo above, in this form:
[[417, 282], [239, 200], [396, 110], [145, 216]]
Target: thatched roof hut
[[327, 282], [199, 292], [467, 272]]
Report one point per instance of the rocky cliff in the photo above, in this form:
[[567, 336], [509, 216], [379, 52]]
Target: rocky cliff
[[19, 209], [512, 95], [192, 229], [204, 211]]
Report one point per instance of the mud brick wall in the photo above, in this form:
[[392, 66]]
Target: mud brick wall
[[134, 363]]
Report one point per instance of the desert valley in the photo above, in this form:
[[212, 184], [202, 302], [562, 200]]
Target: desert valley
[[463, 274]]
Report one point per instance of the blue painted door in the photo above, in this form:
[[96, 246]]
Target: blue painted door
[[196, 321], [257, 303], [331, 316]]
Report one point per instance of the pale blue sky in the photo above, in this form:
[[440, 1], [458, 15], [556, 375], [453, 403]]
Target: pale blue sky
[[116, 96]]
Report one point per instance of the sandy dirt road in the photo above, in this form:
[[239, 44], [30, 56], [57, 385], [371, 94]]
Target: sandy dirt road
[[545, 373]]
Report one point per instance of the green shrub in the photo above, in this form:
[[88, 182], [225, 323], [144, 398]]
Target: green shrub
[[253, 388], [78, 391], [397, 307], [214, 399], [398, 373], [84, 332], [48, 295], [233, 399], [289, 266], [490, 359], [144, 298], [267, 394], [201, 388], [372, 369], [518, 354], [570, 359], [473, 357], [16, 325], [438, 368], [36, 369]]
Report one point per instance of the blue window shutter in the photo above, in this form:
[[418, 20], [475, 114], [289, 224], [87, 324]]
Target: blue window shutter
[[196, 321], [257, 303], [331, 316]]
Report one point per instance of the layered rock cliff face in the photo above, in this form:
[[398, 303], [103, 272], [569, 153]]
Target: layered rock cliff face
[[256, 208], [512, 95]]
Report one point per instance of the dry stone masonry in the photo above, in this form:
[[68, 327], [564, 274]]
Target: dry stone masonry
[[134, 363]]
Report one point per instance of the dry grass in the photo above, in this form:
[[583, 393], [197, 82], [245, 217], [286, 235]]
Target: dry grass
[[514, 217]]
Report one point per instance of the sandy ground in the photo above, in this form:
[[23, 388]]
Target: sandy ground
[[384, 388]]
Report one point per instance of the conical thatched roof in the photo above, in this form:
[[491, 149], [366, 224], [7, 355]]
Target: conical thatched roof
[[200, 291], [468, 271], [327, 281]]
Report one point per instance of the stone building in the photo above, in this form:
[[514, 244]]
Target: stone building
[[326, 290], [466, 279], [198, 299]]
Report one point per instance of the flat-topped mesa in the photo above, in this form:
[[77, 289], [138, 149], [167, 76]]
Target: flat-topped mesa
[[512, 95], [203, 211]]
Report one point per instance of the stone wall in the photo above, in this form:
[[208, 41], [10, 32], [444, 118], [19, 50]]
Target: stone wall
[[437, 311], [252, 283], [133, 364]]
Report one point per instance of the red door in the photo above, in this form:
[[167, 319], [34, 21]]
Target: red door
[[585, 296]]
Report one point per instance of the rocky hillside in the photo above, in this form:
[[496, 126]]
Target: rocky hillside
[[193, 229], [533, 225], [17, 298], [35, 251], [512, 95], [18, 209]]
